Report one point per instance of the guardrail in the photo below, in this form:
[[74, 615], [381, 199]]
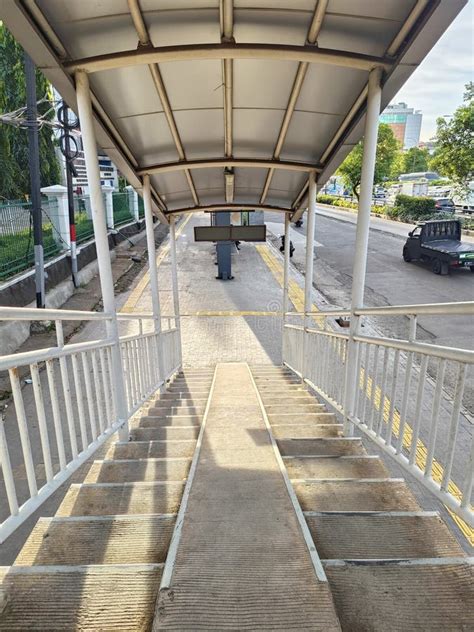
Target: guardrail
[[55, 425], [399, 398]]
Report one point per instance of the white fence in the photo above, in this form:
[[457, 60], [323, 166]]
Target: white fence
[[398, 395], [69, 411]]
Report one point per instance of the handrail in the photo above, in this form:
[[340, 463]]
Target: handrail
[[437, 351], [33, 313], [465, 308]]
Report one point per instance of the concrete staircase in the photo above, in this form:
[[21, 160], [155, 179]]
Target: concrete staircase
[[97, 564], [390, 565]]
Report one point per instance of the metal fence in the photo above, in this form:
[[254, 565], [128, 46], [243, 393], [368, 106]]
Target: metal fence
[[123, 212], [16, 236], [398, 395]]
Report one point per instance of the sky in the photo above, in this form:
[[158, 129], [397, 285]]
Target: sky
[[437, 85]]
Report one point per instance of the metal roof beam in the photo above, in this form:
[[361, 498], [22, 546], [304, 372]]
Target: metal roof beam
[[190, 52], [215, 208], [217, 163], [313, 32], [145, 41], [226, 14]]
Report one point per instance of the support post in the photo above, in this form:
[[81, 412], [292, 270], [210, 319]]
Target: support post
[[362, 239], [286, 270], [155, 295], [174, 282], [33, 160], [102, 244], [308, 279]]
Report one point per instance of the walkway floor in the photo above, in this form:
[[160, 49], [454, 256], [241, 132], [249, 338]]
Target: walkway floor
[[241, 549]]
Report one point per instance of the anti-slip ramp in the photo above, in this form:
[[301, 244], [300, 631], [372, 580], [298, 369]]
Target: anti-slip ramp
[[239, 558]]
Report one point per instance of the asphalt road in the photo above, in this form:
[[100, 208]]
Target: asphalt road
[[389, 280]]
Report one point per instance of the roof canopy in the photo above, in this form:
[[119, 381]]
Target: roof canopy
[[233, 100]]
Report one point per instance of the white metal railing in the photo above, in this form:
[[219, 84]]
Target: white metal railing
[[69, 410], [407, 396]]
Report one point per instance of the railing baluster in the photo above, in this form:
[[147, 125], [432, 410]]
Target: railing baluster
[[79, 400], [42, 425], [373, 390], [418, 409], [105, 387], [58, 429], [454, 425], [89, 395], [435, 417], [393, 395], [383, 386], [365, 383], [469, 480], [99, 402], [131, 368], [23, 430], [108, 356], [7, 471], [404, 407], [66, 390]]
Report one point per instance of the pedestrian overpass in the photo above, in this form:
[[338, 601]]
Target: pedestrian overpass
[[235, 496]]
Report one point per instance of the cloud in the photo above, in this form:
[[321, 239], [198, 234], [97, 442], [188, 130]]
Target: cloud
[[437, 85]]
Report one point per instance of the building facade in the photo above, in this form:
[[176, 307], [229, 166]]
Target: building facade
[[405, 123]]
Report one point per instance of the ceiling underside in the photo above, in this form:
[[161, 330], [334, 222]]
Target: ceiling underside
[[256, 109]]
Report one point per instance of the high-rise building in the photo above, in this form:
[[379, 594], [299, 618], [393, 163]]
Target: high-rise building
[[405, 123]]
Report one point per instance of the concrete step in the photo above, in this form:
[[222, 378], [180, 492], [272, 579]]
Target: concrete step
[[163, 433], [306, 430], [98, 540], [201, 391], [181, 396], [152, 421], [105, 499], [396, 596], [174, 410], [320, 447], [137, 470], [367, 466], [197, 371], [271, 370], [290, 396], [355, 495], [294, 408], [86, 598], [388, 535], [284, 388], [300, 418], [151, 449], [203, 381], [276, 381], [159, 402]]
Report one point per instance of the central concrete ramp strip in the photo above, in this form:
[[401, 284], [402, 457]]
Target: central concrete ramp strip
[[241, 561]]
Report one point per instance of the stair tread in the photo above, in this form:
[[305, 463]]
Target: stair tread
[[336, 467], [382, 536], [306, 430], [136, 470], [147, 449], [138, 539], [403, 596], [320, 447], [164, 432], [87, 598], [101, 499], [151, 421], [356, 495]]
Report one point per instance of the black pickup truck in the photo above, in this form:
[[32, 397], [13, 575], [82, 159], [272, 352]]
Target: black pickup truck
[[438, 242]]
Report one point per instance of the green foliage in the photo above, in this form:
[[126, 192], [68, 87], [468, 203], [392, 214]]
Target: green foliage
[[409, 208], [415, 160], [387, 148], [14, 173], [454, 152]]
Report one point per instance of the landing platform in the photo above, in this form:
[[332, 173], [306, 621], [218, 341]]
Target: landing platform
[[242, 561]]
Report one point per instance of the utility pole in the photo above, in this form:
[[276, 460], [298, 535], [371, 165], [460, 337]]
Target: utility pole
[[69, 155], [33, 161]]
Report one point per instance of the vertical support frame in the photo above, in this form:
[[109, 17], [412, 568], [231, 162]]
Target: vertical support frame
[[174, 282], [84, 106], [308, 279], [374, 97]]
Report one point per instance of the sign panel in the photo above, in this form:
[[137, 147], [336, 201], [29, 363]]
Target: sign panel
[[257, 232]]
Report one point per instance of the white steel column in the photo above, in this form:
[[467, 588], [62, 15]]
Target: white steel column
[[101, 243], [174, 281], [286, 270], [374, 96], [153, 271], [308, 279]]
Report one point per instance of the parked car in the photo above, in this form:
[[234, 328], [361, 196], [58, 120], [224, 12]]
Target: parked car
[[444, 205], [438, 242]]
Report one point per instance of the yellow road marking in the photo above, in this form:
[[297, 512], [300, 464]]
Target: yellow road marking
[[296, 295], [138, 290], [232, 313]]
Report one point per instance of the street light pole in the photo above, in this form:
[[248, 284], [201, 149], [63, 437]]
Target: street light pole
[[35, 182]]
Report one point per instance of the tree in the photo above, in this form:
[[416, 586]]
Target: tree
[[454, 148], [387, 148], [14, 173], [415, 160]]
